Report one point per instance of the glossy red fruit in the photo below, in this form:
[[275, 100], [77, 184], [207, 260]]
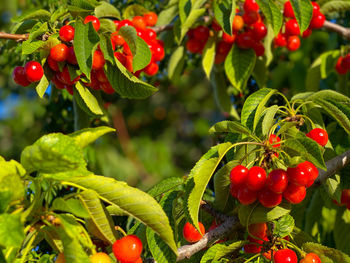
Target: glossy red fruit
[[19, 76], [250, 5], [307, 33], [318, 135], [345, 197], [298, 175], [98, 60], [125, 22], [128, 63], [346, 62], [292, 28], [293, 43], [310, 258], [234, 189], [223, 47], [193, 45], [317, 20], [285, 256], [246, 196], [201, 33], [268, 198], [116, 22], [315, 6], [238, 23], [254, 246], [149, 34], [258, 230], [256, 178], [219, 58], [238, 175], [280, 40], [139, 260], [277, 181], [34, 71], [151, 69], [273, 140], [251, 17], [339, 68], [259, 49], [52, 63], [94, 20], [228, 38], [100, 257], [150, 18], [191, 234], [139, 22], [117, 39], [215, 26], [59, 52], [288, 10], [245, 40], [259, 30], [71, 58], [107, 87], [294, 193], [157, 52], [65, 77], [127, 249], [101, 76], [67, 33], [58, 84]]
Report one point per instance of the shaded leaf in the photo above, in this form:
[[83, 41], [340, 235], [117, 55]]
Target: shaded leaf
[[229, 126], [73, 206], [303, 13], [84, 95], [322, 251], [107, 10], [218, 251], [224, 12]]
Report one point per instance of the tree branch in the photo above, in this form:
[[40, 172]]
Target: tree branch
[[343, 31], [18, 37]]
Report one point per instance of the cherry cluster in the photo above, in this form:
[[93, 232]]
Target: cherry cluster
[[31, 72], [343, 64], [290, 36], [249, 185], [128, 249], [248, 31], [259, 242], [142, 25]]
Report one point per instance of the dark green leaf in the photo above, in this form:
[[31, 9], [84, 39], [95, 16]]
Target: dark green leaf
[[106, 26], [335, 6], [85, 4], [341, 230], [218, 251], [229, 126], [326, 253], [165, 185], [284, 226], [106, 48], [328, 60], [224, 12], [107, 10], [272, 13], [303, 13]]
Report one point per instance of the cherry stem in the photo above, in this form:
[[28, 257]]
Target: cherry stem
[[121, 230], [251, 258]]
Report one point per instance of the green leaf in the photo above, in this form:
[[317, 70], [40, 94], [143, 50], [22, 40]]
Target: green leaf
[[254, 106], [115, 210], [167, 15], [208, 56], [134, 10], [260, 72], [88, 99], [98, 215], [218, 251], [272, 13], [313, 76], [32, 44], [229, 126], [53, 153], [39, 14], [85, 41], [165, 186], [106, 48], [303, 13], [269, 119], [85, 4], [132, 200], [255, 213], [126, 84], [307, 148], [333, 187], [59, 14], [88, 135], [71, 205], [328, 60], [239, 65], [176, 63], [224, 12], [107, 26], [198, 180], [335, 7], [42, 86], [326, 253], [107, 10], [11, 230], [284, 226], [341, 230]]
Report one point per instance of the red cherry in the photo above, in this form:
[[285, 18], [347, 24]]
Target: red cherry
[[219, 58], [345, 197], [245, 40], [58, 84], [288, 10], [238, 174], [151, 69], [65, 77], [117, 39], [317, 20], [101, 76], [149, 34], [307, 33], [157, 52], [246, 196], [285, 256], [100, 257], [19, 76], [318, 135], [250, 5], [223, 47], [191, 234], [94, 20], [34, 71], [315, 6], [215, 25], [228, 38], [234, 189], [346, 62], [67, 33], [277, 181], [107, 87], [280, 40], [268, 198], [125, 22], [339, 68], [256, 178], [298, 175], [59, 52], [69, 89], [292, 27], [193, 45], [294, 193], [293, 43], [52, 64], [127, 249], [259, 30], [116, 22], [259, 49], [251, 17], [150, 18], [273, 140], [98, 60], [139, 22], [258, 230], [310, 258], [201, 33], [238, 23], [254, 246], [71, 58]]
